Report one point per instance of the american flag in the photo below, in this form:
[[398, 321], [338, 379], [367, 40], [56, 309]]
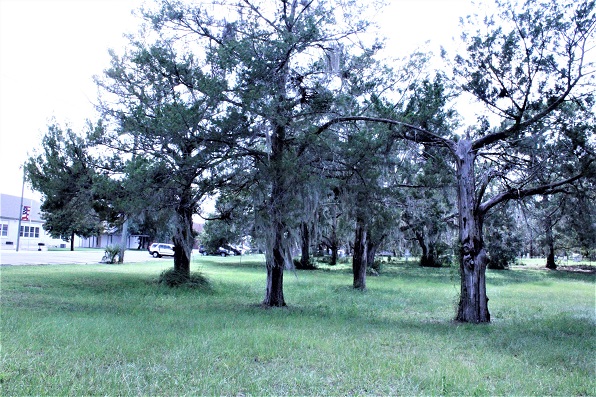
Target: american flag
[[26, 212]]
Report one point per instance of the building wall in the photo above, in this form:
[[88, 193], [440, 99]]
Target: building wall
[[32, 234], [103, 240]]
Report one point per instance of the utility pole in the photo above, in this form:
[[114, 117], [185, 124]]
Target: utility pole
[[21, 211]]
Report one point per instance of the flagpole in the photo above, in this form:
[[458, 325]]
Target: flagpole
[[21, 211]]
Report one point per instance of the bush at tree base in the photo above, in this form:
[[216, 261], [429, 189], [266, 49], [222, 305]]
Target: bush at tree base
[[174, 278]]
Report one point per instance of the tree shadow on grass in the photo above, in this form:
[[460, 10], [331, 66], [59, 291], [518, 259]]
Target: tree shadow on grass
[[563, 342], [94, 292], [518, 274], [239, 261], [533, 275]]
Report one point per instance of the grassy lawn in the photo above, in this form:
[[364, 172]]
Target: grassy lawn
[[109, 330]]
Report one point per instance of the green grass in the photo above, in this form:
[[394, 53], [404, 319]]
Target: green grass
[[110, 330]]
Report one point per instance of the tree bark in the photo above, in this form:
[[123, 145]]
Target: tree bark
[[123, 241], [183, 238], [550, 242], [360, 256], [422, 244], [276, 258], [305, 258], [427, 258], [550, 259], [333, 238], [72, 238], [334, 249], [429, 251], [274, 295], [371, 250], [473, 302]]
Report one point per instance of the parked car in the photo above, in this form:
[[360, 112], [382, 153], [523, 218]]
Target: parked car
[[223, 252], [157, 250]]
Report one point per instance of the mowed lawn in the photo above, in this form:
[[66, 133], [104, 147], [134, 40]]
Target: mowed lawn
[[110, 330]]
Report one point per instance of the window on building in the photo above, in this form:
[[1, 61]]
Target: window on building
[[29, 231], [4, 230]]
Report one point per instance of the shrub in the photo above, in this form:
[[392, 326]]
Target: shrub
[[375, 268], [110, 254], [174, 278], [322, 259], [503, 239], [298, 265]]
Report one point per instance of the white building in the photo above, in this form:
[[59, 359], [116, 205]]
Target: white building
[[109, 237], [32, 235]]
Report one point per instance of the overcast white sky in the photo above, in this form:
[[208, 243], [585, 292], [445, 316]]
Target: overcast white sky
[[51, 49]]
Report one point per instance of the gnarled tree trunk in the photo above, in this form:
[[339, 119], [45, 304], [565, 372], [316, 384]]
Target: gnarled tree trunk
[[473, 302]]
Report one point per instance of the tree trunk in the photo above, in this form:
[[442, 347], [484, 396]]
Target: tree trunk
[[371, 250], [274, 294], [305, 258], [334, 249], [429, 251], [550, 242], [123, 241], [422, 244], [550, 259], [183, 238], [473, 302], [359, 257], [276, 250], [181, 260], [334, 244], [72, 238]]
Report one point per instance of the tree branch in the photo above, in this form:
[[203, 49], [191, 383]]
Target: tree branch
[[550, 188], [420, 135]]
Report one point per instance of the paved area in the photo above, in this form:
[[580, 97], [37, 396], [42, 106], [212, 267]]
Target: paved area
[[11, 258]]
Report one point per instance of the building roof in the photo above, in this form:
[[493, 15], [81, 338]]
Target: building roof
[[10, 208]]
